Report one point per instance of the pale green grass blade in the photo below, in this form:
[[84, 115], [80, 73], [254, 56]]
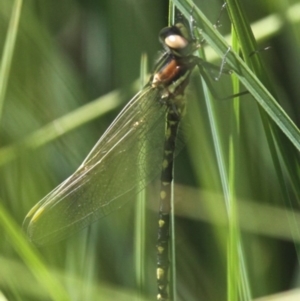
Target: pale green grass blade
[[276, 141], [62, 126], [140, 211], [234, 261], [8, 50], [31, 258], [245, 75]]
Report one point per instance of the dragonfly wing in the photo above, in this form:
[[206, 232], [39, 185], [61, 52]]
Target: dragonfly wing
[[116, 166]]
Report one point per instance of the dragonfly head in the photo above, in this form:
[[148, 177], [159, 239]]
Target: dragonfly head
[[177, 40]]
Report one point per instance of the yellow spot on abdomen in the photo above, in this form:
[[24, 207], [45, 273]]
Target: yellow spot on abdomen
[[163, 195], [160, 249], [160, 273], [161, 223], [165, 164], [168, 133]]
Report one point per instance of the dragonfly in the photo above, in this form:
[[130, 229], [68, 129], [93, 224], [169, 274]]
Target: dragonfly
[[146, 130]]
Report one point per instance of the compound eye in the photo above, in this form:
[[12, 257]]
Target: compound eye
[[176, 41]]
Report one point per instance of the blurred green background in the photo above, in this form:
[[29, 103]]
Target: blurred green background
[[69, 54]]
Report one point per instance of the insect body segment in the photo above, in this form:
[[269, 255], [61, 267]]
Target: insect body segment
[[172, 78]]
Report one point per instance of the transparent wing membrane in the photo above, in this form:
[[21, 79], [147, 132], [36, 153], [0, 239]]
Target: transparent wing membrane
[[113, 168]]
